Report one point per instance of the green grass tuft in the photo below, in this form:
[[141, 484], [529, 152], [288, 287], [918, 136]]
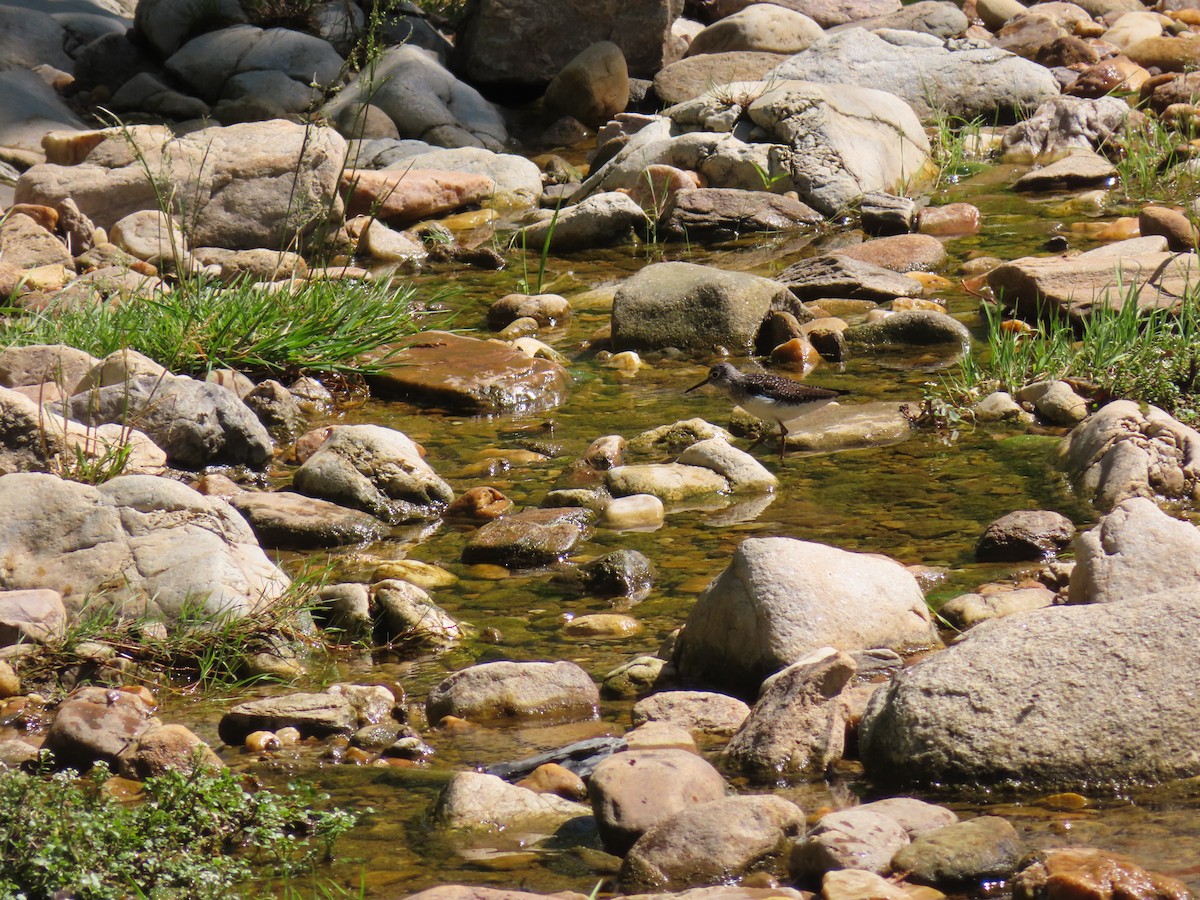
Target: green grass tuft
[[318, 326]]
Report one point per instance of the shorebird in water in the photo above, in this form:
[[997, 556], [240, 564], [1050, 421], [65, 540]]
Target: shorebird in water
[[770, 397]]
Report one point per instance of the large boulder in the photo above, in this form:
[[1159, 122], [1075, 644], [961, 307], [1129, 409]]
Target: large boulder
[[1065, 697], [378, 470], [225, 64], [693, 307], [780, 599], [959, 78], [514, 43], [141, 544], [166, 25], [834, 142], [195, 422], [257, 184], [423, 100]]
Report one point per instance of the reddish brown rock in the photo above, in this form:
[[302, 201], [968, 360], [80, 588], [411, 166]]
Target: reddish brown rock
[[481, 503], [1172, 224], [1082, 873], [401, 196], [436, 368], [899, 252], [552, 778], [951, 220]]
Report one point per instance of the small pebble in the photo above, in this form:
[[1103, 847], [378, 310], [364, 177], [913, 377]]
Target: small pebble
[[262, 742], [634, 511]]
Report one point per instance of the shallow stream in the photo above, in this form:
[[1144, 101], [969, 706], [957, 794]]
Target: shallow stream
[[924, 501]]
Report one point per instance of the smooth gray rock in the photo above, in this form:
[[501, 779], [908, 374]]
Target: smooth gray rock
[[935, 17], [693, 307], [406, 613], [1058, 698], [710, 843], [916, 817], [145, 545], [527, 42], [375, 469], [210, 63], [195, 423], [31, 37], [1076, 171], [780, 599], [425, 101], [290, 521], [518, 180], [848, 278], [168, 24], [763, 28], [968, 610], [797, 727], [475, 801], [600, 220], [500, 690], [31, 108], [36, 616], [959, 78], [25, 444]]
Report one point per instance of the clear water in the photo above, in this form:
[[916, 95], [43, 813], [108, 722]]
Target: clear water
[[922, 501]]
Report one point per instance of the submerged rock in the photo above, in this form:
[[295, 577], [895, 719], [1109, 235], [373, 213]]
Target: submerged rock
[[1092, 873], [465, 374], [284, 520], [314, 715], [532, 537]]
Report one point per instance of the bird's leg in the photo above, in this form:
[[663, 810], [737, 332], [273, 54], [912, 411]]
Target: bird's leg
[[762, 436], [783, 433]]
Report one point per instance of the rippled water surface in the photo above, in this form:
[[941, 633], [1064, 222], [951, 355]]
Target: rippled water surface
[[922, 501]]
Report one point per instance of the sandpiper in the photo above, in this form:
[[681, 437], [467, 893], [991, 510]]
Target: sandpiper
[[768, 396]]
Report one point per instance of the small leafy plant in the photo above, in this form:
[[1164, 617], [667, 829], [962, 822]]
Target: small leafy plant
[[201, 834]]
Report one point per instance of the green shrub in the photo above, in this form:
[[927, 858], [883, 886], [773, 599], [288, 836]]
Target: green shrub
[[195, 835]]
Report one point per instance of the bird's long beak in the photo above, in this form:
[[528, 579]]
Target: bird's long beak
[[700, 385]]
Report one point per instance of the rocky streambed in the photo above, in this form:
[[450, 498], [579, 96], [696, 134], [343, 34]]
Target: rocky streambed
[[575, 626]]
